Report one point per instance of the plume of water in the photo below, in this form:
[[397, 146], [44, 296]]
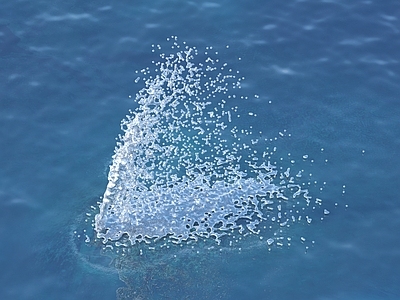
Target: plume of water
[[184, 169]]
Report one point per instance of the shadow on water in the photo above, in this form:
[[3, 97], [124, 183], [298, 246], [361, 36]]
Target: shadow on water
[[172, 273], [170, 276], [168, 272], [192, 270]]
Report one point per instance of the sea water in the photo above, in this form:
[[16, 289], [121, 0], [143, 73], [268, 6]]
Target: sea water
[[327, 72]]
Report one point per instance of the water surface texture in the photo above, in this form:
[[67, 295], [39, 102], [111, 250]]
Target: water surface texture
[[324, 74]]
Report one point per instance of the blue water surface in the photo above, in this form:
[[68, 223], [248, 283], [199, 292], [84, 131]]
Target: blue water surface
[[331, 71]]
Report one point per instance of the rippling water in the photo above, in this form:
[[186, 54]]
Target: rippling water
[[329, 68]]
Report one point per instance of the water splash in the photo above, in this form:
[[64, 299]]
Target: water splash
[[184, 169]]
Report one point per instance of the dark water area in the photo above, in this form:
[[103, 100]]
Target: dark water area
[[325, 71]]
